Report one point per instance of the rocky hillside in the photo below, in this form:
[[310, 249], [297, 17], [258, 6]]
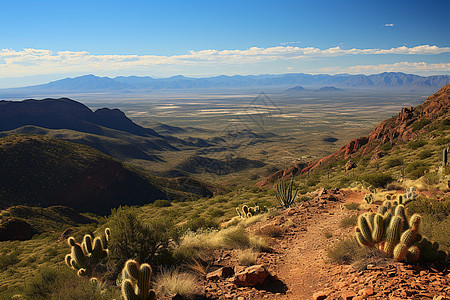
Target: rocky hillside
[[408, 125]]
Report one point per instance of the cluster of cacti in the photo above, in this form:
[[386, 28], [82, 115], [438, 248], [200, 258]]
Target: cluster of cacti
[[136, 281], [285, 196], [392, 232], [248, 212], [409, 196], [368, 198], [86, 256]]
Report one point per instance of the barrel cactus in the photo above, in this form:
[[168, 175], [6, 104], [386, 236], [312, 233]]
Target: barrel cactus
[[85, 257], [136, 281], [393, 233]]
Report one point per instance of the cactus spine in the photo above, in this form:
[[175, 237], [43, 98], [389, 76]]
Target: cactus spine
[[136, 281]]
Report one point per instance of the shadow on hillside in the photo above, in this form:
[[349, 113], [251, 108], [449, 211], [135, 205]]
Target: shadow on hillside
[[274, 285]]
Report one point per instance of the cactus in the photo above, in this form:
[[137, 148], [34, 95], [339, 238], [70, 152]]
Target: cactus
[[410, 195], [368, 198], [85, 257], [393, 233], [136, 281], [444, 157], [284, 193], [248, 212]]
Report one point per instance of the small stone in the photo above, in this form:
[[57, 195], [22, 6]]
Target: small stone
[[365, 292], [320, 295]]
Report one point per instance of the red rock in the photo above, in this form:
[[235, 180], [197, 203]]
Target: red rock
[[251, 276], [224, 272], [320, 295], [366, 292], [348, 295]]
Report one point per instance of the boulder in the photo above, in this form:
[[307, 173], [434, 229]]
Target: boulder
[[251, 276], [223, 272]]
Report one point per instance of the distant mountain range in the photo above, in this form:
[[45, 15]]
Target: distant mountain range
[[89, 83], [299, 89]]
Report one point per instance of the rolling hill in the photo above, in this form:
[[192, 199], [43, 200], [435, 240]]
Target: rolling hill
[[41, 171]]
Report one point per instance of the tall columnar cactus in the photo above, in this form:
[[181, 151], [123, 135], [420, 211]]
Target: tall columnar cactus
[[86, 256], [136, 281], [285, 196], [444, 157], [398, 237]]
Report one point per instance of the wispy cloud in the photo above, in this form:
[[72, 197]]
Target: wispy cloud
[[388, 25], [405, 66], [29, 62]]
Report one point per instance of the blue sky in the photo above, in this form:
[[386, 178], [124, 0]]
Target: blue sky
[[47, 40]]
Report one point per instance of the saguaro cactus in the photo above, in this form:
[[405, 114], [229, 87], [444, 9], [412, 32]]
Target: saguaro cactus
[[136, 281]]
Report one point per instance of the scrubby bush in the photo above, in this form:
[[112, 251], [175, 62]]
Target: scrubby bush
[[349, 221], [416, 169], [173, 281], [420, 124], [64, 284], [425, 154], [131, 239], [247, 257], [386, 146], [162, 203], [416, 144], [393, 162], [378, 180], [8, 259]]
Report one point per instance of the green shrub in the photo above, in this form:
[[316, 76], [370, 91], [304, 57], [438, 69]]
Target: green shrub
[[393, 162], [349, 221], [131, 239], [7, 260], [442, 140], [352, 206], [64, 284], [420, 124], [162, 203], [425, 154], [200, 223], [386, 146], [378, 180], [416, 144], [416, 169]]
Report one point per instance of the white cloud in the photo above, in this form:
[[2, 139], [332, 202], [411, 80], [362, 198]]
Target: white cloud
[[388, 25], [30, 62], [405, 66]]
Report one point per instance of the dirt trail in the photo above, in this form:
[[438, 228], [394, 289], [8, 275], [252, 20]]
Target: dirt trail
[[302, 261]]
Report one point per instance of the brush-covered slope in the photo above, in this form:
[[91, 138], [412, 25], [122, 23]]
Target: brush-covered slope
[[42, 171], [412, 123]]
